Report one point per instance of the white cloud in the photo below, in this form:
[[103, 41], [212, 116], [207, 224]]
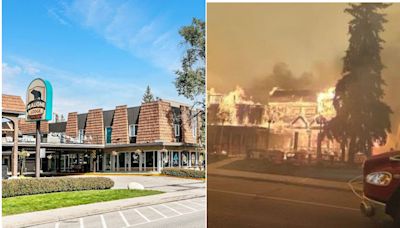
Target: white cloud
[[128, 26], [56, 15], [11, 71]]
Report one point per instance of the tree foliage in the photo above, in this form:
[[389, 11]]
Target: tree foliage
[[148, 96], [190, 80], [362, 118]]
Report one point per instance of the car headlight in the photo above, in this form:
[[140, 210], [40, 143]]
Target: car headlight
[[379, 178]]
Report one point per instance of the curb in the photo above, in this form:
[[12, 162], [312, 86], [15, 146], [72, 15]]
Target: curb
[[101, 211], [340, 186]]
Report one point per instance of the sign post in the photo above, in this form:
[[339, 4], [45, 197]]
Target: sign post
[[39, 107]]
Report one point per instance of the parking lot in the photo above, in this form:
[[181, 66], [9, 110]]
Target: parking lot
[[149, 216]]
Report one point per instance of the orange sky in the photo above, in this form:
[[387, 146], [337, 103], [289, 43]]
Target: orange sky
[[246, 40]]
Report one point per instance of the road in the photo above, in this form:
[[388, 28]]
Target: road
[[185, 213], [234, 202]]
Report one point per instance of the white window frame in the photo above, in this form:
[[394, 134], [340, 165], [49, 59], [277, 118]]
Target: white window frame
[[106, 136], [177, 130], [194, 127], [133, 132], [81, 135]]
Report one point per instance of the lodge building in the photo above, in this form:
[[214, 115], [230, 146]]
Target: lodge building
[[145, 138], [288, 123]]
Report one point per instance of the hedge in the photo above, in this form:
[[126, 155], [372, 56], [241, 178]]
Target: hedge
[[31, 186], [183, 172]]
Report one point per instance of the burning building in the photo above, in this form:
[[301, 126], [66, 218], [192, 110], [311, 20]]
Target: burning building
[[290, 122]]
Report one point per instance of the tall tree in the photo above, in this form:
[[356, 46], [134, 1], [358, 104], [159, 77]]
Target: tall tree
[[190, 80], [148, 96], [362, 118]]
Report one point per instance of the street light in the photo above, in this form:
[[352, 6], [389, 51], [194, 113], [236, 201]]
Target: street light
[[321, 121]]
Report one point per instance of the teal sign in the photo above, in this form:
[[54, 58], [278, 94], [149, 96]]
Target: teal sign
[[39, 100]]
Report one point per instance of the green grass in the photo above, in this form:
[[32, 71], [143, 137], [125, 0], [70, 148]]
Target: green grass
[[40, 202]]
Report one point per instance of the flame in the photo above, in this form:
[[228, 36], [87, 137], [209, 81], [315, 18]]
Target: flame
[[227, 106], [325, 103]]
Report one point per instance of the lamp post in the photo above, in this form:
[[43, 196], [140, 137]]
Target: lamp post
[[321, 120]]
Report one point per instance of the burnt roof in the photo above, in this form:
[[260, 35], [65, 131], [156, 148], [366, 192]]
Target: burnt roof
[[282, 95], [108, 117], [57, 127], [133, 115]]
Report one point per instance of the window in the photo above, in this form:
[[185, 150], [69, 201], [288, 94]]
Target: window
[[108, 132], [177, 128], [133, 130], [194, 127], [80, 135]]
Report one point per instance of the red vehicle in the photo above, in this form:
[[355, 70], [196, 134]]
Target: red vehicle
[[381, 197]]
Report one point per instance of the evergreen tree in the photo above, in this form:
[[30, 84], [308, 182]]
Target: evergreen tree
[[148, 96], [362, 118]]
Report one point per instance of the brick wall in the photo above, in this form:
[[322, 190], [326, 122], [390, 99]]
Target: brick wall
[[187, 132], [71, 129], [30, 127], [120, 126], [94, 131]]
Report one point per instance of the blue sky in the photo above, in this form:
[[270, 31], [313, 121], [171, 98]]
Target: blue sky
[[96, 54]]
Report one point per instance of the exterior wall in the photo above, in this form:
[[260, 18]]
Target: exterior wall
[[30, 127], [71, 129], [94, 131], [187, 131], [166, 122], [155, 123], [120, 133], [148, 125]]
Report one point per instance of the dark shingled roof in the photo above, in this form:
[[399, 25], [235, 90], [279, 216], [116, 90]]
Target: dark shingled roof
[[281, 95], [108, 117], [82, 120], [133, 115], [57, 127]]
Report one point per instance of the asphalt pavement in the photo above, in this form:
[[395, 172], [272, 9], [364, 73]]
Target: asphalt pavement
[[237, 202], [185, 213]]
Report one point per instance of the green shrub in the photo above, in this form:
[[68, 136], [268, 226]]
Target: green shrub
[[183, 172], [31, 186]]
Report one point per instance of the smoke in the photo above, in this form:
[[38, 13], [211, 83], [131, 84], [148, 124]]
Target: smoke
[[282, 77]]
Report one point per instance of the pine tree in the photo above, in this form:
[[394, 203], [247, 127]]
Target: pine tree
[[362, 118], [148, 96]]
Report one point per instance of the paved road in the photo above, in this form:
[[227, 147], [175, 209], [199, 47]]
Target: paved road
[[184, 213], [234, 202]]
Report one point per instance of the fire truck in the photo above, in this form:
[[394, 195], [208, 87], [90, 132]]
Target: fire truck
[[381, 187]]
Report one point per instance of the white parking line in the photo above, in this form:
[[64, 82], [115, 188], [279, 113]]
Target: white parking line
[[57, 225], [172, 209], [148, 220], [190, 208], [198, 204], [138, 224], [103, 222], [123, 218], [81, 223], [158, 212]]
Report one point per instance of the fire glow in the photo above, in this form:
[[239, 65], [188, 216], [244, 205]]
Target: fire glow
[[237, 109]]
